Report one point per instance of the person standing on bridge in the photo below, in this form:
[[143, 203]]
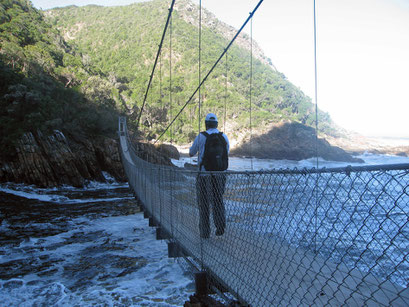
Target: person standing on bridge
[[213, 148]]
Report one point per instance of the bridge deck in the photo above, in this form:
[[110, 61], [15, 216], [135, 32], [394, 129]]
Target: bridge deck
[[294, 276]]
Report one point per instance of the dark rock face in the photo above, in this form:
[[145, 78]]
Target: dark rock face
[[154, 154], [292, 141], [169, 151], [55, 159]]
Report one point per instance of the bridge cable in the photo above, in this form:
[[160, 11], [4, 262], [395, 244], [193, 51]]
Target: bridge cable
[[156, 61], [316, 123], [200, 102], [251, 90], [211, 69], [160, 81], [225, 97], [170, 76], [252, 179], [200, 75], [316, 87], [170, 116]]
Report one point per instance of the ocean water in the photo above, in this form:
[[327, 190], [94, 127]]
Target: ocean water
[[92, 247], [241, 164], [83, 247]]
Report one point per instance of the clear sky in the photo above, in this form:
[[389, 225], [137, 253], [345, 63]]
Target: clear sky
[[362, 53]]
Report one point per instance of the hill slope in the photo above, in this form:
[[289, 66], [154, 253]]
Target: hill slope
[[57, 117], [60, 97], [122, 42], [45, 83]]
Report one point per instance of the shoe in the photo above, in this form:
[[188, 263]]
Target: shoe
[[219, 232]]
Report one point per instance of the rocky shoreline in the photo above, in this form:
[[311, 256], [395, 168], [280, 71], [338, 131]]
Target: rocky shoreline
[[291, 141], [58, 159], [55, 160], [357, 144]]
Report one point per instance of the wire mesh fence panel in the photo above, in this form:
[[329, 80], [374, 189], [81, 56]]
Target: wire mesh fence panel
[[287, 237]]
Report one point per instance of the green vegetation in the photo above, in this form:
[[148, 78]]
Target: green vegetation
[[123, 41], [44, 83], [76, 68]]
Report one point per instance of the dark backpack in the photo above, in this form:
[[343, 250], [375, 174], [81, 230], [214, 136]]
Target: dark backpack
[[215, 156]]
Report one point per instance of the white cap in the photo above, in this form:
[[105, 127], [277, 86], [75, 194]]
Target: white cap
[[211, 117]]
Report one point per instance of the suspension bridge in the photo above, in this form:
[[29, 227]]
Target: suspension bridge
[[324, 237]]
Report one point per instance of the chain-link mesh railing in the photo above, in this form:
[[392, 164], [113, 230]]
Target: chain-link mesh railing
[[287, 237]]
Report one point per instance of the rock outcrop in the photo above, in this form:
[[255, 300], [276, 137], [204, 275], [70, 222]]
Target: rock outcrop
[[291, 141], [188, 12], [169, 151], [54, 160], [160, 154], [58, 159]]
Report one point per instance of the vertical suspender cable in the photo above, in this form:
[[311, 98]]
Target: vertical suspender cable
[[170, 76], [200, 75], [200, 102], [316, 126], [251, 89], [160, 81], [211, 69], [225, 98], [316, 86], [251, 127], [170, 116], [156, 61]]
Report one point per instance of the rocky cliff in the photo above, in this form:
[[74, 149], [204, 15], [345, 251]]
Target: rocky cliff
[[188, 11], [55, 159]]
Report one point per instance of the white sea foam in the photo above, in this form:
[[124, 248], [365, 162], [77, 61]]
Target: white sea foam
[[26, 293], [95, 185], [4, 225], [53, 195], [158, 281], [110, 183], [54, 198], [31, 194], [374, 159], [242, 164], [95, 200]]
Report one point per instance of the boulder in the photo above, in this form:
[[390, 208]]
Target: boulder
[[169, 151]]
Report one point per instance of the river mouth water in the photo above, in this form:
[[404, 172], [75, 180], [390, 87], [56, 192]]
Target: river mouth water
[[83, 247]]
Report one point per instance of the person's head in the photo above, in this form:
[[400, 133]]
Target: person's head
[[211, 121]]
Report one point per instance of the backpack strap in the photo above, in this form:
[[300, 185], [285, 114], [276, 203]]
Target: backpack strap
[[205, 135]]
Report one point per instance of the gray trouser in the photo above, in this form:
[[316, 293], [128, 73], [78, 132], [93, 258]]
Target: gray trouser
[[210, 190]]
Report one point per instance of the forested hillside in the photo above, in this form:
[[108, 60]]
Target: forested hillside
[[57, 116], [45, 83], [66, 75], [122, 43]]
